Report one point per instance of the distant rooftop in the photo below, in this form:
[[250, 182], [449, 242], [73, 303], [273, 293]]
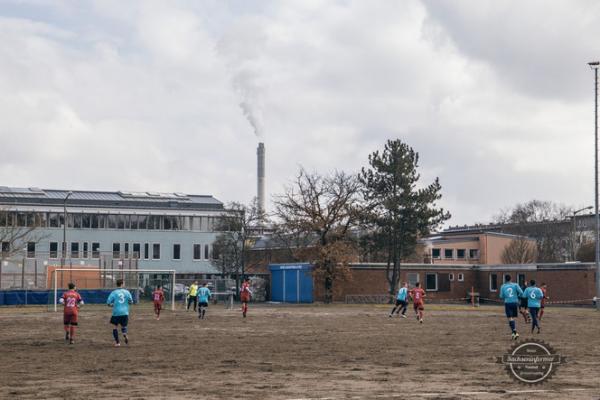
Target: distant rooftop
[[32, 196]]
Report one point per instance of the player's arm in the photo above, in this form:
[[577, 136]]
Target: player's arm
[[501, 295], [79, 301], [519, 291], [111, 300], [129, 298]]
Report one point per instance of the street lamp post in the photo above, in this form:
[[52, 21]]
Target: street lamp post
[[595, 65], [64, 246], [574, 230]]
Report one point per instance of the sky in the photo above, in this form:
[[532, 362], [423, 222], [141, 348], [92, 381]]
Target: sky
[[496, 97]]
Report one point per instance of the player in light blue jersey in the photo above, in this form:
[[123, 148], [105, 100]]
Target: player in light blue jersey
[[203, 297], [534, 296], [120, 299], [401, 301], [511, 293]]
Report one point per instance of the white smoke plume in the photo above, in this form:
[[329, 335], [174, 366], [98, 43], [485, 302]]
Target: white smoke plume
[[245, 84]]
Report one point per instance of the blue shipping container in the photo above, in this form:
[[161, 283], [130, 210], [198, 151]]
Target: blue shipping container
[[291, 283]]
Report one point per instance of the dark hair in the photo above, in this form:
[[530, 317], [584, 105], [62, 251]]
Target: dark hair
[[532, 282], [417, 284], [158, 286], [71, 286], [543, 283], [119, 282], [507, 278]]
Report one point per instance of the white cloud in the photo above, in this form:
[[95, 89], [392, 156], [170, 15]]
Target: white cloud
[[145, 95]]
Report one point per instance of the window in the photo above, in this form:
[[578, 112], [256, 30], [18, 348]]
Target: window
[[53, 249], [126, 250], [413, 278], [450, 276], [21, 219], [142, 222], [85, 250], [156, 251], [136, 250], [196, 223], [85, 221], [77, 221], [30, 249], [431, 282], [461, 277], [146, 251], [186, 223], [112, 221], [448, 253], [134, 221], [473, 253], [154, 222], [521, 279], [435, 253], [53, 220], [206, 252], [123, 221], [176, 252], [74, 249], [95, 250], [167, 221], [5, 248], [460, 253], [63, 250], [197, 252], [3, 217], [116, 250], [493, 282], [102, 221]]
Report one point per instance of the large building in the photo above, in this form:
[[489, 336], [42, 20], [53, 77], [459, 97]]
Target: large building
[[145, 230]]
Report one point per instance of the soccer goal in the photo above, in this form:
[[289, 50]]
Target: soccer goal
[[95, 284]]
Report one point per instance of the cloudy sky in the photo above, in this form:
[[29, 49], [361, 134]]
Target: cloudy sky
[[496, 96]]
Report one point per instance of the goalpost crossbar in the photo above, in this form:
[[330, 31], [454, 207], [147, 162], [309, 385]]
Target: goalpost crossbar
[[171, 272]]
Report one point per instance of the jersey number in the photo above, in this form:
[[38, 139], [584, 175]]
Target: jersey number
[[71, 302], [510, 292], [121, 298]]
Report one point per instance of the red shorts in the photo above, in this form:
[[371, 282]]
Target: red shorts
[[245, 298], [157, 305], [419, 306], [70, 319]]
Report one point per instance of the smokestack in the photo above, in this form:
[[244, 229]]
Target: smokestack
[[260, 174]]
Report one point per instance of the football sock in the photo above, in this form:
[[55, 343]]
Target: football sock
[[124, 330], [72, 332], [116, 335], [512, 325]]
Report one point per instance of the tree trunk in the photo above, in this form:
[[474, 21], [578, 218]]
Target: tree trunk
[[328, 290]]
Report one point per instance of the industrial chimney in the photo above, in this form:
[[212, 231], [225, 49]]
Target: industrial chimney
[[260, 173]]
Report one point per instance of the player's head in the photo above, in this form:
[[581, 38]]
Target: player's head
[[246, 279], [158, 287], [71, 286], [418, 284], [532, 282], [405, 284], [195, 282], [205, 284], [543, 284], [119, 282], [507, 278]]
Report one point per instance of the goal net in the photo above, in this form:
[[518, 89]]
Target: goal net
[[95, 284]]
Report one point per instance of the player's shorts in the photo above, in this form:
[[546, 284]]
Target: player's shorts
[[119, 320], [70, 319], [203, 304], [543, 305], [400, 303], [511, 310], [157, 305], [419, 306], [523, 303], [244, 299]]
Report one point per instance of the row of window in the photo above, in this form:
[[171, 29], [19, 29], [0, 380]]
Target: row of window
[[431, 279], [84, 250], [460, 253], [494, 281], [108, 221]]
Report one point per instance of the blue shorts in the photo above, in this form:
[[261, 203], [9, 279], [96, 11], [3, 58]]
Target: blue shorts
[[119, 320], [511, 309]]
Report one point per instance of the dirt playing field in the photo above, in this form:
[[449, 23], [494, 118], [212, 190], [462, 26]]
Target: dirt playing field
[[290, 352]]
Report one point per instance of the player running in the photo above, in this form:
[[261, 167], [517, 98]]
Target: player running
[[158, 296], [534, 296], [511, 292], [192, 295], [72, 301], [120, 299], [245, 295], [203, 297], [543, 305], [401, 301], [417, 295], [523, 305]]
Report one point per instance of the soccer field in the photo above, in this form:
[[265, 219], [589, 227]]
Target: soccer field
[[290, 352]]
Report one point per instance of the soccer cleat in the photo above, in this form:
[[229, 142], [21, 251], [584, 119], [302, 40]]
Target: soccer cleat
[[403, 315], [390, 315], [71, 341], [66, 336], [421, 321], [125, 338], [515, 336], [117, 344], [539, 330]]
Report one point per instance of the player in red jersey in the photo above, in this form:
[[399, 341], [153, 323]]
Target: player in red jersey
[[543, 304], [417, 295], [158, 296], [72, 301], [245, 295]]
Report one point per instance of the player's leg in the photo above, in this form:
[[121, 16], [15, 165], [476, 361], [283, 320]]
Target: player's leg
[[66, 324], [189, 301], [72, 328], [115, 332], [541, 313], [394, 308], [200, 311], [533, 311], [204, 308], [421, 311], [244, 308], [124, 322], [195, 302], [402, 309]]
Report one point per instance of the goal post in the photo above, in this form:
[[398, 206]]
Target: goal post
[[96, 283]]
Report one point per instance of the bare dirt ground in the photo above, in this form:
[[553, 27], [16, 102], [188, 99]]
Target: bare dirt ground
[[290, 352]]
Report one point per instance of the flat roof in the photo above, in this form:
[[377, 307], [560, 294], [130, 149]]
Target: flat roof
[[15, 197]]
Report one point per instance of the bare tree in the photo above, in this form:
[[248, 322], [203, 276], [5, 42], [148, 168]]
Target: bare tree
[[16, 231], [321, 210], [544, 221], [519, 251], [237, 226]]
